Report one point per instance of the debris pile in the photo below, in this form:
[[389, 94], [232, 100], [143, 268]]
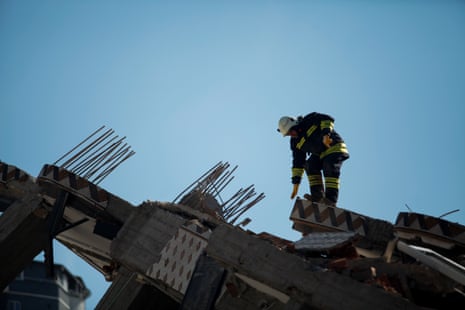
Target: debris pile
[[419, 258], [194, 252]]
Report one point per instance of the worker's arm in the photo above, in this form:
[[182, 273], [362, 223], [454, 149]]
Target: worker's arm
[[298, 163]]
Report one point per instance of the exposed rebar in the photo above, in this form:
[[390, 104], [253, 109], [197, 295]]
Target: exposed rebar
[[96, 159], [211, 184]]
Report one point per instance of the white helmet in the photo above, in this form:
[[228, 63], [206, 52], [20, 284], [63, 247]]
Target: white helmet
[[285, 124]]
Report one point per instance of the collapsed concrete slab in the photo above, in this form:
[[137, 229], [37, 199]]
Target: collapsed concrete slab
[[186, 254], [23, 224]]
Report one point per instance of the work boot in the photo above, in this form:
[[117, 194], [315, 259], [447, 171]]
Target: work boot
[[316, 193]]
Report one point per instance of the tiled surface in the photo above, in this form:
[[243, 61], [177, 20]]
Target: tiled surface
[[323, 240], [77, 184], [326, 218], [9, 172], [179, 256], [425, 226]]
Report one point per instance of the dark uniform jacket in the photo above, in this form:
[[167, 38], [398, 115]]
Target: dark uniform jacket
[[311, 130]]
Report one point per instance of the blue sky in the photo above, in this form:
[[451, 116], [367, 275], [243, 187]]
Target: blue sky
[[194, 83]]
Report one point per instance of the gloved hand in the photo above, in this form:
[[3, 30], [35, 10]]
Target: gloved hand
[[327, 140], [295, 189]]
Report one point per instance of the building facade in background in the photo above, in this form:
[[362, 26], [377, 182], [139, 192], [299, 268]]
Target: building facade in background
[[33, 290]]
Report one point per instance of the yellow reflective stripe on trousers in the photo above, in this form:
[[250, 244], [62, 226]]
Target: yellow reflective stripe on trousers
[[332, 182], [297, 172], [315, 179], [337, 148]]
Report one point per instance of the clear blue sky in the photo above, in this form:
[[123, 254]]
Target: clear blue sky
[[192, 83]]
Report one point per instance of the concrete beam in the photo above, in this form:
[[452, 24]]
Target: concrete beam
[[127, 293], [23, 235], [144, 234], [295, 277]]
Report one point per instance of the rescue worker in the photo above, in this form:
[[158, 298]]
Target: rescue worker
[[313, 136]]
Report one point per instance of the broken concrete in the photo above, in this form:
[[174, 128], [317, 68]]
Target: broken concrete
[[175, 256]]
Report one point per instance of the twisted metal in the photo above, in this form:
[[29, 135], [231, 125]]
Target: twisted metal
[[211, 184], [96, 159]]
